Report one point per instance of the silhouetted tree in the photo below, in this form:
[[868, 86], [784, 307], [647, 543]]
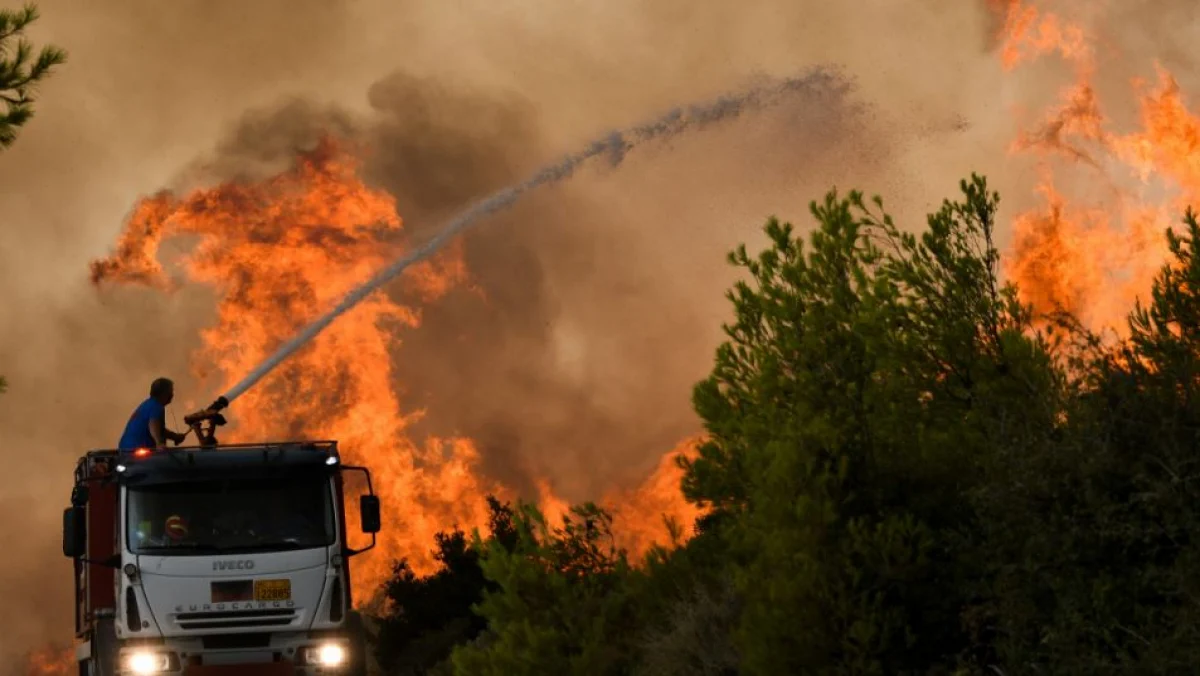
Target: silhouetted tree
[[1093, 567], [905, 474], [563, 603], [430, 615], [867, 374]]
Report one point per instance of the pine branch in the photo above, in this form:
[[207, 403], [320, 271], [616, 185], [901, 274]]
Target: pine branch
[[14, 22], [20, 72]]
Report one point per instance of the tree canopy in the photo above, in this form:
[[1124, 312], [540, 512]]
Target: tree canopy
[[906, 472], [21, 71]]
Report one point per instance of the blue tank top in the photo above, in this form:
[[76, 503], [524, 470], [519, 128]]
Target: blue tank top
[[137, 430]]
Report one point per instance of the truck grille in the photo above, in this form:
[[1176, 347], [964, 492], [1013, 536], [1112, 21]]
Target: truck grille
[[240, 619]]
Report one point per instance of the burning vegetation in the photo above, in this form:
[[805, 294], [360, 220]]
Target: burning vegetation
[[1093, 249], [898, 475], [279, 252]]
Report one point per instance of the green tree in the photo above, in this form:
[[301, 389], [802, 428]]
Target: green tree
[[563, 605], [431, 615], [694, 637], [905, 476], [1094, 562], [687, 607], [865, 384], [558, 597], [20, 70]]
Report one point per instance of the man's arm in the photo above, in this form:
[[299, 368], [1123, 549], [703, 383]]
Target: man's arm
[[158, 431]]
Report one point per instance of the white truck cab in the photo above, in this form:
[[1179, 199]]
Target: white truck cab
[[216, 560]]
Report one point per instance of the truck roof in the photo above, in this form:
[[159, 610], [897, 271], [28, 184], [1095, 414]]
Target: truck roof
[[146, 466]]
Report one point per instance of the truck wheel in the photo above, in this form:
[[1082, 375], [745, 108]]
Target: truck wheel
[[358, 644]]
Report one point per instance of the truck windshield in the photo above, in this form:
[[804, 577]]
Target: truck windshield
[[244, 515]]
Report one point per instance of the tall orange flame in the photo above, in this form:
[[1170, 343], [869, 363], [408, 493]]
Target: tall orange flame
[[278, 253], [1094, 252], [646, 515]]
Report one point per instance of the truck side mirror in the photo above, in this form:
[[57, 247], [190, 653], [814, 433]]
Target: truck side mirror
[[369, 511], [74, 532]]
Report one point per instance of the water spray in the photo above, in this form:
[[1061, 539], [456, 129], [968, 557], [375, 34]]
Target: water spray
[[614, 146]]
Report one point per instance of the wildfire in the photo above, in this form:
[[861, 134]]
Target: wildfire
[[640, 516], [1095, 251], [278, 253], [1028, 33]]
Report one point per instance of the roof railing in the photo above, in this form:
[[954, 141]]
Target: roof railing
[[323, 444], [106, 456]]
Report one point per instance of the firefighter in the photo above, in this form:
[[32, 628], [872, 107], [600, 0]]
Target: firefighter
[[147, 427]]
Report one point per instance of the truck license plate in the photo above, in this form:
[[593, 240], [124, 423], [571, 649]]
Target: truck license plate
[[272, 590]]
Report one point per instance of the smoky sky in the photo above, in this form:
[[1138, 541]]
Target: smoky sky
[[602, 298]]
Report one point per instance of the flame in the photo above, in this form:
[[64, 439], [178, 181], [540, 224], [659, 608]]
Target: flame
[[652, 513], [1094, 249], [1083, 261], [49, 661], [279, 252], [641, 515], [1028, 34], [553, 508]]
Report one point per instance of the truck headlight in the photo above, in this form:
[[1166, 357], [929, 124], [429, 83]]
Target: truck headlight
[[146, 662], [327, 655]]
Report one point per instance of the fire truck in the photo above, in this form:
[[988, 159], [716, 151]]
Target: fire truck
[[217, 559]]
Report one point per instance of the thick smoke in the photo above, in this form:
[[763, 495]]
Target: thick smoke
[[601, 298], [820, 93]]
